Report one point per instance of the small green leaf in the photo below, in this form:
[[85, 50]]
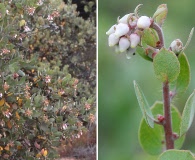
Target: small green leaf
[[14, 67], [21, 73], [44, 127], [2, 11], [166, 65], [183, 79], [58, 134], [160, 14], [59, 119], [141, 52], [188, 114], [176, 155], [147, 114], [152, 139], [36, 114], [149, 38]]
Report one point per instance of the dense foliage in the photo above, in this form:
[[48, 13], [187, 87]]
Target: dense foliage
[[47, 71]]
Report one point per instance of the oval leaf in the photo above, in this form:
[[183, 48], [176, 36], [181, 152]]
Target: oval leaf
[[147, 114], [142, 53], [176, 155], [188, 114], [149, 38], [166, 65], [183, 79], [160, 14], [152, 139]]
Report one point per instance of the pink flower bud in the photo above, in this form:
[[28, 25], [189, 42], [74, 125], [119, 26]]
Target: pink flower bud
[[144, 22], [113, 40], [121, 29], [111, 30], [134, 39], [124, 44], [124, 19], [176, 46]]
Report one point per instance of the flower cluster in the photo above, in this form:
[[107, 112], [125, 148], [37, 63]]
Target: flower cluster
[[126, 35], [53, 15], [30, 10]]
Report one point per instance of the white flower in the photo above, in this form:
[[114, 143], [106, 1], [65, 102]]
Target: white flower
[[176, 46], [27, 29], [121, 29], [50, 18], [113, 40], [143, 22], [135, 39], [124, 19], [47, 79], [111, 30], [40, 2], [124, 44], [64, 126], [7, 12], [30, 10]]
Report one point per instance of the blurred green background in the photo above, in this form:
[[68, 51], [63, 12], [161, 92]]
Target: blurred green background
[[119, 113]]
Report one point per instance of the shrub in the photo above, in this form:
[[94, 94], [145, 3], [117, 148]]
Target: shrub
[[47, 70]]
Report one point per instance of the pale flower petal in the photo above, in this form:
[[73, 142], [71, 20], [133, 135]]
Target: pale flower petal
[[121, 29], [124, 19], [111, 30], [113, 40], [143, 22], [134, 39], [124, 44]]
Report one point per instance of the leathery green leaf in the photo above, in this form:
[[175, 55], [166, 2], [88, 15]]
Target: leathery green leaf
[[166, 65], [142, 53], [176, 155], [188, 114], [183, 79], [149, 38], [152, 140], [147, 114]]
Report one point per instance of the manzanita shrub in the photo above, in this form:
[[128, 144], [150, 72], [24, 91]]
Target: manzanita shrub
[[162, 129], [47, 77]]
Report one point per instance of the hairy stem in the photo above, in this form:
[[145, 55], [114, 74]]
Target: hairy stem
[[160, 34], [167, 114]]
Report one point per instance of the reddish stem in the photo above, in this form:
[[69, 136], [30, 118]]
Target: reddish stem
[[167, 114], [159, 31], [167, 123]]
